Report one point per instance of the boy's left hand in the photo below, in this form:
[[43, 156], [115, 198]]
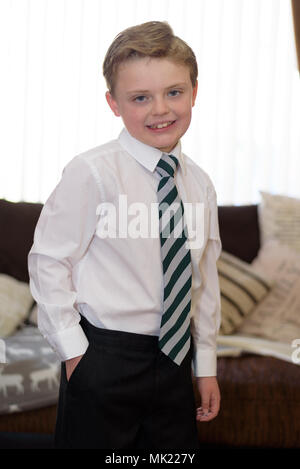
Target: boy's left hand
[[210, 398]]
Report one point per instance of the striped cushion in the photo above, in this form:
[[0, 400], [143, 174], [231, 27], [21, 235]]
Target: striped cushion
[[242, 288]]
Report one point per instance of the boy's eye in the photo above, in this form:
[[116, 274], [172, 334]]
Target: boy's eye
[[140, 99], [174, 92]]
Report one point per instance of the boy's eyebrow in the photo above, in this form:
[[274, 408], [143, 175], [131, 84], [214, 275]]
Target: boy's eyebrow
[[148, 91]]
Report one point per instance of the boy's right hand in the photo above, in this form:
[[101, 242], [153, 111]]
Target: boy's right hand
[[71, 365]]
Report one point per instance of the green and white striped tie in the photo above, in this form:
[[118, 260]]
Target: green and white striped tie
[[175, 337]]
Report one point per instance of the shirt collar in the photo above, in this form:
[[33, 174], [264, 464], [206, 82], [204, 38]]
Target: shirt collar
[[145, 154]]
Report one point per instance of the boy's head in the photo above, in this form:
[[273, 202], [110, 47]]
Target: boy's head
[[151, 76], [152, 39]]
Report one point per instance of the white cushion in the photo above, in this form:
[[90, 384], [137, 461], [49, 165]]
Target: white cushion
[[277, 317], [15, 303], [279, 218]]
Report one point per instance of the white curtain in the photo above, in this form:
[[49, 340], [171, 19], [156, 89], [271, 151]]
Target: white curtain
[[245, 129]]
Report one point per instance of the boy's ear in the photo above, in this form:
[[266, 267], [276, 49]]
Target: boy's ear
[[112, 104], [195, 89]]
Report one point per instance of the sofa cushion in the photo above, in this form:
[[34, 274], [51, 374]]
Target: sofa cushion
[[15, 304], [277, 316], [18, 220], [242, 289], [279, 218], [239, 230]]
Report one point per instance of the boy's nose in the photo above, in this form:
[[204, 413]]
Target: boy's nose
[[160, 107]]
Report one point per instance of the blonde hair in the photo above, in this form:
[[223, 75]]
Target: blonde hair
[[151, 39]]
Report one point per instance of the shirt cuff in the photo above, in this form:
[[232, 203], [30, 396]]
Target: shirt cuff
[[69, 343], [204, 363]]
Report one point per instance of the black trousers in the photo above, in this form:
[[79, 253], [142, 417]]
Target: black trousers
[[126, 394]]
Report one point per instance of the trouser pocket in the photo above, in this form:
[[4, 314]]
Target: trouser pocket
[[80, 402], [79, 369]]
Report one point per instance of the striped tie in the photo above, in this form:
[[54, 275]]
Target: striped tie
[[175, 337]]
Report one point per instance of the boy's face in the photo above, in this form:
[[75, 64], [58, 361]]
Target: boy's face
[[154, 97]]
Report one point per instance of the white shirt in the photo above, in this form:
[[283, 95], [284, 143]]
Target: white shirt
[[117, 282]]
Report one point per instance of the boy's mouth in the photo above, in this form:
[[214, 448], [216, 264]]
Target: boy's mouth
[[162, 125]]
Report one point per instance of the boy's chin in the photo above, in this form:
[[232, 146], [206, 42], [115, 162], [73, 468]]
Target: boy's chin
[[165, 145], [167, 149], [162, 143]]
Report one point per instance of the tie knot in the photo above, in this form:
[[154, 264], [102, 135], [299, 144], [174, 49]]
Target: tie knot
[[167, 165]]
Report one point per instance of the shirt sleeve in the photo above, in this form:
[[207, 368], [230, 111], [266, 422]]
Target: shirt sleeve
[[206, 319], [63, 233]]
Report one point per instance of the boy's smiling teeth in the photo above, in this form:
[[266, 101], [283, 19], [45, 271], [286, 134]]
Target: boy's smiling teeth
[[160, 126]]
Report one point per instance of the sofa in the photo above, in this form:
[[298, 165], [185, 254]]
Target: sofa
[[260, 394]]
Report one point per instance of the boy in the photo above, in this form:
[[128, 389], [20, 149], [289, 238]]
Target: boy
[[128, 313]]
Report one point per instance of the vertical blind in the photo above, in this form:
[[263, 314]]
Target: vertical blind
[[245, 128]]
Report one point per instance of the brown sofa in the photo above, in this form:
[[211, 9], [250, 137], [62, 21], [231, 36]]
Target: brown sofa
[[260, 404]]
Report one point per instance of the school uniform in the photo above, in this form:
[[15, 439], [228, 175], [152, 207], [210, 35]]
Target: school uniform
[[100, 293]]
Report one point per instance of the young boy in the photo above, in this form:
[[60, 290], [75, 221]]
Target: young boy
[[130, 312]]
